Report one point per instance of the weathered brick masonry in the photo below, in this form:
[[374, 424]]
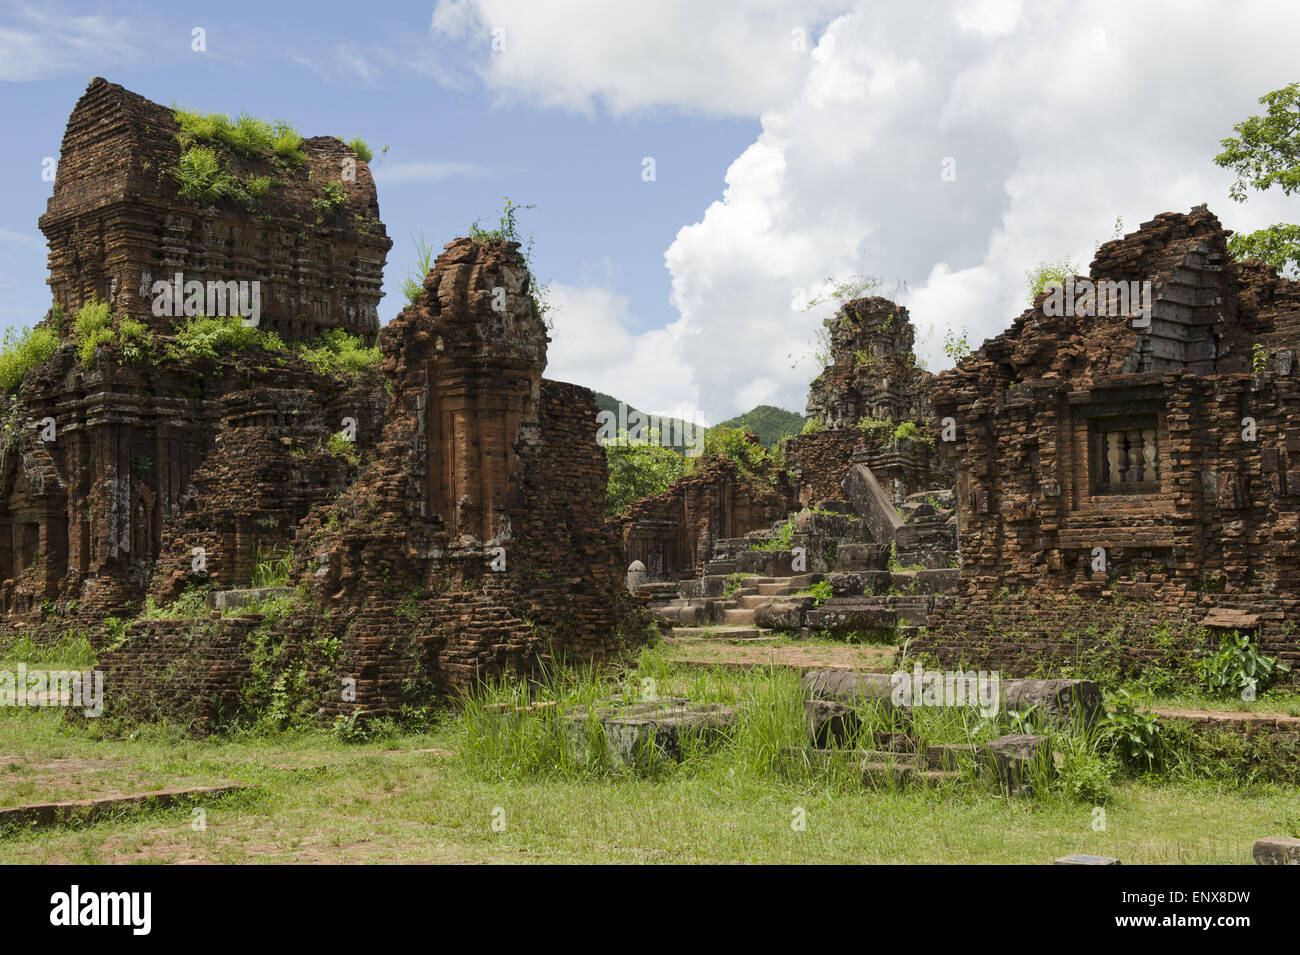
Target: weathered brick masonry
[[1161, 450], [158, 456]]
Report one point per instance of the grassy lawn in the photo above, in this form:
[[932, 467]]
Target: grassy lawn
[[452, 794]]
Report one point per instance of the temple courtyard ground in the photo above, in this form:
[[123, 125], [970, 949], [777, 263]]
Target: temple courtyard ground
[[442, 795]]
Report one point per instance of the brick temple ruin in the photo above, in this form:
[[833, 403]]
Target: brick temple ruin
[[1118, 472], [458, 535], [1131, 470], [1093, 478], [166, 456]]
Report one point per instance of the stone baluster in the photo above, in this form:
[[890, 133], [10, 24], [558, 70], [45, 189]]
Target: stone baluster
[[1134, 473], [1150, 469], [1114, 457]]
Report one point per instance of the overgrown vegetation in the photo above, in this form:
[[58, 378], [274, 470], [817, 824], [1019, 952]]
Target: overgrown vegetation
[[24, 350], [337, 353], [210, 337], [1266, 153], [507, 230], [363, 151], [413, 285], [638, 470], [1046, 275], [1237, 668], [247, 135]]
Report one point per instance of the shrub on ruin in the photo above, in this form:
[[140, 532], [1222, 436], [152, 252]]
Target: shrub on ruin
[[1238, 668], [23, 350], [258, 186], [248, 135], [338, 354], [908, 431], [204, 337], [424, 256], [359, 146], [135, 340], [330, 201], [507, 230], [93, 327], [1046, 275], [200, 177], [341, 446]]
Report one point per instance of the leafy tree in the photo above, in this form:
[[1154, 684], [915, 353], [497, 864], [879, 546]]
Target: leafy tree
[[742, 447], [638, 470], [1266, 153]]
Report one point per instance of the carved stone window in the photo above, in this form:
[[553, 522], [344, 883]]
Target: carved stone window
[[1126, 455]]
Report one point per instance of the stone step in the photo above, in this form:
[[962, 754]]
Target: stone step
[[738, 615], [750, 601], [721, 633]]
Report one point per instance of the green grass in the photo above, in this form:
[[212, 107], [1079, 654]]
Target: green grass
[[271, 569], [321, 799]]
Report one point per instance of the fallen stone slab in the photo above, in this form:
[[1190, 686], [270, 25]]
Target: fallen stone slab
[[638, 734], [1061, 703], [782, 613], [851, 687], [830, 723], [40, 815], [1276, 850], [1085, 860], [1016, 758]]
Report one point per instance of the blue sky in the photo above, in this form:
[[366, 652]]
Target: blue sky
[[793, 140], [454, 154]]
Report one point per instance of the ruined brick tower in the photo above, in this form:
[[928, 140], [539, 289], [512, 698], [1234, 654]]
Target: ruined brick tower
[[871, 388], [116, 223], [150, 454], [482, 514]]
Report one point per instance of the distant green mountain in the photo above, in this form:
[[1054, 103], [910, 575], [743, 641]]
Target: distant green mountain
[[769, 423], [671, 429]]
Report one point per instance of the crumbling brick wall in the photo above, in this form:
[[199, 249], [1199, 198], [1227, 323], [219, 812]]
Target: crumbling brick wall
[[672, 533], [1109, 451]]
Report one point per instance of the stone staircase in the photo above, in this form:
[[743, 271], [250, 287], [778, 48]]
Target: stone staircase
[[749, 589], [730, 615]]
